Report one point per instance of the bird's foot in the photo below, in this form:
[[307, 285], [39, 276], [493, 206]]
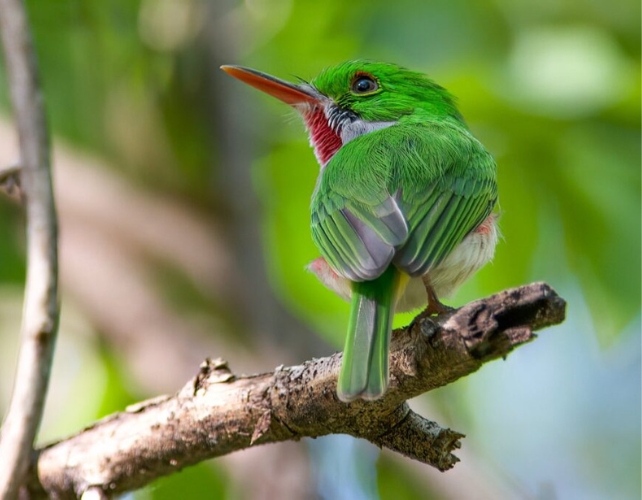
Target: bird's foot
[[433, 310], [436, 308]]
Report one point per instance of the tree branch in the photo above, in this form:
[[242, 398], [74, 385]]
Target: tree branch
[[40, 312], [217, 412]]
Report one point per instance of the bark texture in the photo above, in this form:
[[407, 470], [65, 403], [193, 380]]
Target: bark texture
[[218, 412]]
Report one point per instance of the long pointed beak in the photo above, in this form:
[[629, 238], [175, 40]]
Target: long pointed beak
[[285, 91]]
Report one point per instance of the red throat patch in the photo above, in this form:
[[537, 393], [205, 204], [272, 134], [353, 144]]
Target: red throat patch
[[326, 142]]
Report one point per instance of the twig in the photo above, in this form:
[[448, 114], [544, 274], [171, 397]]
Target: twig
[[40, 312], [10, 179], [217, 412]]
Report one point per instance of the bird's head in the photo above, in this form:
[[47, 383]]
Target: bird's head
[[354, 98]]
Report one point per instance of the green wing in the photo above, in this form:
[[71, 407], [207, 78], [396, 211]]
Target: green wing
[[406, 194], [446, 199], [356, 223]]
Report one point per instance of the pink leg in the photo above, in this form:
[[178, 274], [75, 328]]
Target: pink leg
[[434, 305]]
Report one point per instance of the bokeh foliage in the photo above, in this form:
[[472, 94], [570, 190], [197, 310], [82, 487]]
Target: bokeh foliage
[[552, 89]]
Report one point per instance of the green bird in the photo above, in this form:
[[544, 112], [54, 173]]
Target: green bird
[[402, 212]]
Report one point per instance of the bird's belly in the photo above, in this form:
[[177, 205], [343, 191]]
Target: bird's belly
[[476, 249]]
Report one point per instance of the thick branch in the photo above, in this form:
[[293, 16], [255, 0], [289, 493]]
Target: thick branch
[[217, 412], [40, 312]]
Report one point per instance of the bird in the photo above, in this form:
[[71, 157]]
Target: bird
[[404, 207]]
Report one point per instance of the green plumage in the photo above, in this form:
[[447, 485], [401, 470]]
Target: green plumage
[[440, 177], [425, 170], [400, 92], [364, 371]]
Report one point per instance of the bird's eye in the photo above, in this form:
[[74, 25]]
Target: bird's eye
[[364, 84]]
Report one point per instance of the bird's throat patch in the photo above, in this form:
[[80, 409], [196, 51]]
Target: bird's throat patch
[[325, 141]]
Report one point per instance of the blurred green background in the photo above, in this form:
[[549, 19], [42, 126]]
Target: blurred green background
[[183, 199]]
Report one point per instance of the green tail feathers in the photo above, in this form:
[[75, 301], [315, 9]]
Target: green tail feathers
[[364, 372]]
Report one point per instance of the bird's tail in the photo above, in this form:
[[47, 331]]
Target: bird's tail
[[364, 372]]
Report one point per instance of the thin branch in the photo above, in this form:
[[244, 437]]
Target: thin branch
[[40, 313], [217, 412], [10, 179]]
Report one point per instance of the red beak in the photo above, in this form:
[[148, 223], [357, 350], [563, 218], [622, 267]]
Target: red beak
[[285, 91]]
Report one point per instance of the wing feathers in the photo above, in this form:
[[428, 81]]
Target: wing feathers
[[440, 195], [412, 255]]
